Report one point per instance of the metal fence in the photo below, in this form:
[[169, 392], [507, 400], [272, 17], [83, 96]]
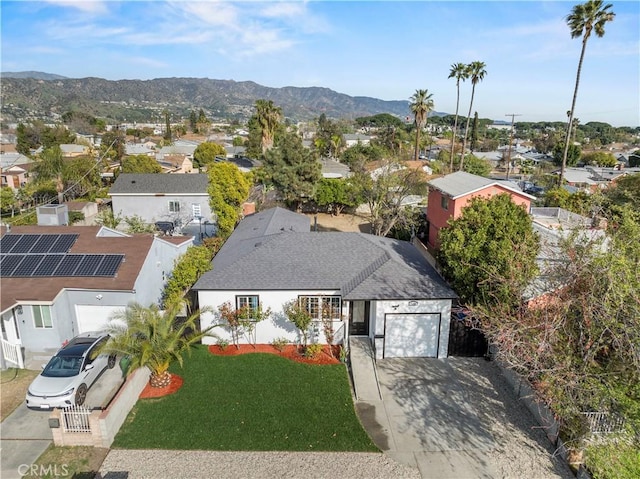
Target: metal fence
[[604, 422], [76, 419]]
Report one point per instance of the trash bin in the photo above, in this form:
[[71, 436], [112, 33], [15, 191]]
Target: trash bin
[[125, 362]]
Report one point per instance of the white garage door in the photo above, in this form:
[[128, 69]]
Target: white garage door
[[94, 318], [411, 335]]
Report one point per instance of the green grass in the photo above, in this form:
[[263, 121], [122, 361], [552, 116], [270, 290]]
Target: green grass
[[252, 402]]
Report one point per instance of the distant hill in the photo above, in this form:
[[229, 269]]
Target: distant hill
[[28, 94], [35, 75]]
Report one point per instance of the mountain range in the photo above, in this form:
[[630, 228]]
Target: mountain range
[[26, 95]]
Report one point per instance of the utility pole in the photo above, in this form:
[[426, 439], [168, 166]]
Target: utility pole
[[512, 115]]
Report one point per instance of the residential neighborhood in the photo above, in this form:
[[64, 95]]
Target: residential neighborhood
[[222, 278]]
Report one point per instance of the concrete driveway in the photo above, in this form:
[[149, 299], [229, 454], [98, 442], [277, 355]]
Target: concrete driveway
[[454, 418], [25, 433]]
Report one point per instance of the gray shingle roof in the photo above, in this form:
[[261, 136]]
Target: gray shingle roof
[[462, 183], [152, 183], [360, 266]]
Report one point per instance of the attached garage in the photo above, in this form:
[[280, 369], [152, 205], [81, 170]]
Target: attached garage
[[412, 335], [94, 318]]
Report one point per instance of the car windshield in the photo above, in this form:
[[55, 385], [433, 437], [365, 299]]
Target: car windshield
[[62, 367]]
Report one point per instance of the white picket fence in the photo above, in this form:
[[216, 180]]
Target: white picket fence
[[76, 419], [12, 353]]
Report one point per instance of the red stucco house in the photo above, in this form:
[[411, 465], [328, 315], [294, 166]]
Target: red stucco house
[[449, 194]]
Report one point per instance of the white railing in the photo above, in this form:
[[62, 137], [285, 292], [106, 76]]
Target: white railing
[[12, 353], [603, 422], [76, 419]]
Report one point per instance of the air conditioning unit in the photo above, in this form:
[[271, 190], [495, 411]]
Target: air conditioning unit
[[53, 215]]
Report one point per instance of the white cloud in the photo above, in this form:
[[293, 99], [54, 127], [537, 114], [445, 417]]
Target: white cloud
[[88, 6]]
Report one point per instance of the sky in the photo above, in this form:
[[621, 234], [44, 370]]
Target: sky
[[381, 49]]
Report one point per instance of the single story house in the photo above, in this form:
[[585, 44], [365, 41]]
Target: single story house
[[60, 281], [370, 286], [179, 199], [448, 195]]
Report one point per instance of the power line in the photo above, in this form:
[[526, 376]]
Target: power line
[[512, 115]]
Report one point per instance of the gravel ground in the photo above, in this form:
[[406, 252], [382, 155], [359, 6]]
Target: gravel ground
[[522, 449], [154, 464]]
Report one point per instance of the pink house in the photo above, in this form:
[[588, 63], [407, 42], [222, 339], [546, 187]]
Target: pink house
[[449, 194]]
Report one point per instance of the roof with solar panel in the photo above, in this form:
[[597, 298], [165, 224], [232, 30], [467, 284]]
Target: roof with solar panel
[[38, 262]]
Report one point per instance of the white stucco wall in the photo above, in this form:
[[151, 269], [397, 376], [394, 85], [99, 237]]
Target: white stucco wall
[[276, 326]]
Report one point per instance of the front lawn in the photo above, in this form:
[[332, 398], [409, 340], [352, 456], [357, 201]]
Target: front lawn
[[253, 402]]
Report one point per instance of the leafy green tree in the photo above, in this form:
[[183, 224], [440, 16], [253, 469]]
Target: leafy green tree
[[421, 104], [360, 154], [8, 200], [238, 141], [600, 158], [193, 121], [187, 270], [81, 177], [140, 164], [476, 72], [152, 338], [459, 71], [298, 314], [206, 152], [228, 189], [292, 169], [337, 194], [584, 19], [379, 120], [477, 166], [493, 238], [107, 218], [242, 321], [136, 224], [167, 127], [203, 122], [572, 158], [50, 167]]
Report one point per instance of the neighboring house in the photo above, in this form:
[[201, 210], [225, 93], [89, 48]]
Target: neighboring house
[[60, 281], [177, 164], [370, 286], [449, 194], [184, 150], [353, 139], [139, 149], [73, 151], [180, 199], [334, 169], [14, 177], [235, 151], [592, 178]]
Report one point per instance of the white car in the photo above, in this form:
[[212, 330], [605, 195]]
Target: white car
[[67, 377]]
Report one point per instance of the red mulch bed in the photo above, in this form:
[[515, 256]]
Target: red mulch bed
[[290, 352], [174, 385]]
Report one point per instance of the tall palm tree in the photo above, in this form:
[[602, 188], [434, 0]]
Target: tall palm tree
[[269, 116], [458, 71], [421, 105], [477, 72], [153, 338], [584, 18]]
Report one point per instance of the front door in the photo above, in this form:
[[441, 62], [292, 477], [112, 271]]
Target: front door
[[359, 318]]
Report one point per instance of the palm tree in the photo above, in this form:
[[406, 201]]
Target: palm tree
[[269, 116], [421, 105], [476, 71], [153, 338], [459, 72], [584, 18]]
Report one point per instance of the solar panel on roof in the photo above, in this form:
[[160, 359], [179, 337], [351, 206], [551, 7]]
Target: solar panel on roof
[[63, 244], [24, 244], [10, 263], [109, 265], [89, 264], [48, 265], [7, 242], [28, 265], [68, 265], [44, 243]]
